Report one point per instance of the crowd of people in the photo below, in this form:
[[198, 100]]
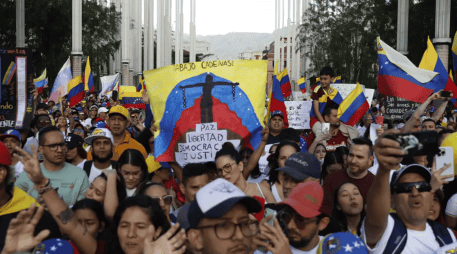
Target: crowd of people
[[86, 175]]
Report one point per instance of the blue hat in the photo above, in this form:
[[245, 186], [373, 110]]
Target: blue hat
[[302, 165], [100, 124], [277, 113], [455, 110], [11, 133], [165, 165], [104, 104], [217, 198], [54, 246], [341, 242]]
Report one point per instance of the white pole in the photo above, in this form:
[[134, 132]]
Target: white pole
[[117, 54], [139, 33], [145, 34], [151, 35], [125, 42], [289, 43], [281, 61], [276, 32], [159, 33], [177, 32], [297, 53], [181, 34], [76, 42], [20, 23]]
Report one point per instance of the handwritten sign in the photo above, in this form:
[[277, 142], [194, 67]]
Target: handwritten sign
[[16, 106], [202, 144], [298, 114], [396, 107]]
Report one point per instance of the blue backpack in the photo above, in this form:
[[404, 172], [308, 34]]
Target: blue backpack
[[397, 240]]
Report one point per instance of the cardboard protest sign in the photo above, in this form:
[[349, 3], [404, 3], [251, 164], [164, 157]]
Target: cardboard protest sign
[[396, 107], [16, 105], [298, 114], [199, 106]]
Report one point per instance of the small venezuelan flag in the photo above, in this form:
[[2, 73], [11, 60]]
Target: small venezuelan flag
[[75, 91], [352, 109], [284, 83], [88, 78], [337, 80], [141, 86], [302, 84], [9, 74]]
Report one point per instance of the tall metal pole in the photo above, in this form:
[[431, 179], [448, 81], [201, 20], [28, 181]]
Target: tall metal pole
[[139, 37], [289, 56], [151, 35], [177, 32], [181, 34], [275, 48], [20, 23], [76, 37], [297, 50], [402, 26], [145, 35], [282, 51], [159, 33], [192, 32], [132, 41], [442, 30], [125, 42]]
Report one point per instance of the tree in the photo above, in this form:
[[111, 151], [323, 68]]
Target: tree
[[48, 33]]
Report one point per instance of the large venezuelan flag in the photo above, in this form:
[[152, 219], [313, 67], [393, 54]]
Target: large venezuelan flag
[[228, 93], [399, 77], [352, 109], [284, 82], [454, 56], [430, 61], [75, 91], [277, 101], [88, 78]]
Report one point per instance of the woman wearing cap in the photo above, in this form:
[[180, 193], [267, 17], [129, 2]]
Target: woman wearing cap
[[12, 138], [138, 223], [229, 163]]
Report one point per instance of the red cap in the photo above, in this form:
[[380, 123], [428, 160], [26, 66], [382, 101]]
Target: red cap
[[259, 215], [5, 157], [306, 199]]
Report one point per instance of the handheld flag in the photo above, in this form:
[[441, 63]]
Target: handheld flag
[[399, 77], [352, 109], [284, 82], [41, 82], [133, 100], [109, 84], [88, 78], [9, 74], [302, 84], [61, 83], [141, 86], [430, 61], [454, 55], [199, 109], [75, 91], [276, 102], [337, 80]]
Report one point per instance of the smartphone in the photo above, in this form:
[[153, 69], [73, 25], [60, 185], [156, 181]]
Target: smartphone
[[325, 128], [445, 156], [268, 212], [417, 143], [445, 94]]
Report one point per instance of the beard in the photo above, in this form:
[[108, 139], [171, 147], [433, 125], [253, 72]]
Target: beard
[[299, 244], [102, 160]]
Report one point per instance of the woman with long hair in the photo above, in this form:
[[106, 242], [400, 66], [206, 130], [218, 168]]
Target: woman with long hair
[[228, 162], [333, 162], [159, 193], [277, 160], [348, 207]]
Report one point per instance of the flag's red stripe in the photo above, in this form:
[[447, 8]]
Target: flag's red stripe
[[395, 86]]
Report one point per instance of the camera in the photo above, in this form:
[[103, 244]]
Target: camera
[[417, 143]]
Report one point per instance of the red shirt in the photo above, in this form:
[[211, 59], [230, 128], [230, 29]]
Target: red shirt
[[332, 144], [333, 181]]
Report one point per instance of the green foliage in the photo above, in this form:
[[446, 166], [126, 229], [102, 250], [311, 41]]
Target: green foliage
[[342, 34], [48, 33]]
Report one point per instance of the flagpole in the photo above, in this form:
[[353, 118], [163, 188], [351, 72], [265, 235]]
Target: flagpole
[[281, 50], [145, 35], [151, 35], [275, 49], [181, 34], [125, 42], [117, 54], [289, 43], [139, 33]]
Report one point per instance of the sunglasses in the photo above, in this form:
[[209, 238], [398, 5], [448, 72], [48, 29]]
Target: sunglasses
[[166, 199], [408, 187]]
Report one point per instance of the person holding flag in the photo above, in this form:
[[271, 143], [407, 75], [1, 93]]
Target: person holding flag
[[276, 115]]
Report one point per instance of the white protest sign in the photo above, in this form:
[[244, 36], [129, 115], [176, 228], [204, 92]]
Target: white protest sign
[[298, 114], [369, 93], [202, 144], [346, 89]]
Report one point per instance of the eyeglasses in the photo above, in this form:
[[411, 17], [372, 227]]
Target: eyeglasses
[[135, 175], [227, 168], [166, 199], [226, 230], [44, 122], [78, 130], [408, 187], [53, 147], [287, 214]]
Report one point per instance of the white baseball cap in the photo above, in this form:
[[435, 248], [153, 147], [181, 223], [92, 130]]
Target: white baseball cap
[[103, 110], [99, 133]]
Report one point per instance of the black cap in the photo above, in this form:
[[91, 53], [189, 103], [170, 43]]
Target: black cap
[[42, 106], [73, 140]]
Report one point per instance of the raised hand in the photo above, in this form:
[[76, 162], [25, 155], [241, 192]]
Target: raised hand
[[388, 153], [31, 165], [20, 235], [265, 133], [437, 180], [167, 243], [278, 241], [145, 97]]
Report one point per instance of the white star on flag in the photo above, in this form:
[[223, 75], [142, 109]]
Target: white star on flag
[[348, 248], [53, 248], [356, 244], [60, 244], [386, 62]]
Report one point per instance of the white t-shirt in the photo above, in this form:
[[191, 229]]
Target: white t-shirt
[[94, 172], [446, 249], [18, 168], [130, 192], [81, 164], [417, 241], [87, 123], [451, 207]]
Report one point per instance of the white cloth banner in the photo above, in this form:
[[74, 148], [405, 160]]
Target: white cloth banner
[[61, 83], [108, 84]]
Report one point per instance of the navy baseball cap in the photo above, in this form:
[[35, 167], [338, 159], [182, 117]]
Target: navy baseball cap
[[73, 140], [11, 133], [277, 113], [412, 168], [302, 165], [217, 198], [183, 216]]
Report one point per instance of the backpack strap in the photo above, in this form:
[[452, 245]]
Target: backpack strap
[[397, 239], [87, 166], [441, 232]]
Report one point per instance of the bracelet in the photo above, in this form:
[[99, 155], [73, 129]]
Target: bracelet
[[44, 189], [46, 184]]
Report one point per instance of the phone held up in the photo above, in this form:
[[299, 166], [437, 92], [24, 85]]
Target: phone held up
[[417, 143]]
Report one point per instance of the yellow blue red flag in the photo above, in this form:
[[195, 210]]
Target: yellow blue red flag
[[75, 91], [302, 84], [454, 56], [199, 106], [338, 80], [88, 78], [353, 107]]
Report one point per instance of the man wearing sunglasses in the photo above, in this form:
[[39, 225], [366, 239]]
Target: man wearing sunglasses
[[70, 180], [301, 218], [410, 193], [219, 219]]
